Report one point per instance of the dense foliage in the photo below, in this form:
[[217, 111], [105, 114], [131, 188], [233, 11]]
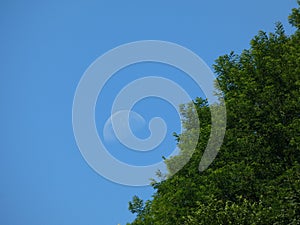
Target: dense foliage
[[255, 178]]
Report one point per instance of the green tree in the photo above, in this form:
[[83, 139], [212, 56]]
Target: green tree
[[255, 178]]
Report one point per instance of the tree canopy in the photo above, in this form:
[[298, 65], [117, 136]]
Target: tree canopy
[[255, 178]]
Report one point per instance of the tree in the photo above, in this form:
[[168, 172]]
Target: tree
[[255, 178]]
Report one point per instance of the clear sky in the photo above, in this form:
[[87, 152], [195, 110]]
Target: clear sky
[[45, 48]]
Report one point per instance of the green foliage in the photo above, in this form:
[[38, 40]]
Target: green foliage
[[255, 178], [142, 210], [294, 18], [136, 206]]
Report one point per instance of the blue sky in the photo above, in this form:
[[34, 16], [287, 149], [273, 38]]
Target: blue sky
[[45, 48]]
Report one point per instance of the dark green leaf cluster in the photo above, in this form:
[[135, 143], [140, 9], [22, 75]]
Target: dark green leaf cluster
[[255, 178]]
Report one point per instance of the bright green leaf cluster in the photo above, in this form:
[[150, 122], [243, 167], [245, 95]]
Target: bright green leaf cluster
[[255, 178]]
